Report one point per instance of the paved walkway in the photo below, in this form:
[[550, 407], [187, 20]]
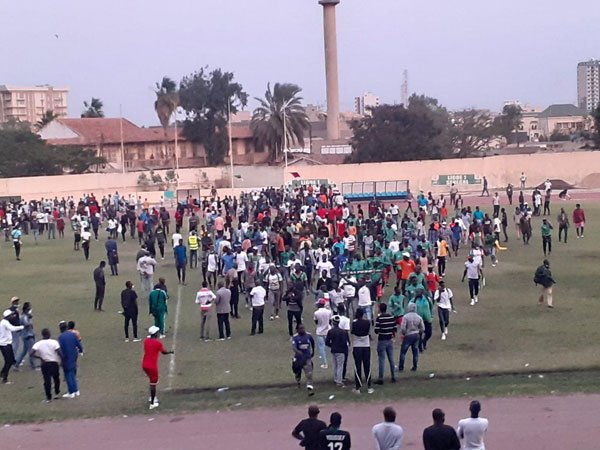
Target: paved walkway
[[548, 423]]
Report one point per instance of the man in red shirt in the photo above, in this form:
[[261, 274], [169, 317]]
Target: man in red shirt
[[152, 347], [579, 220]]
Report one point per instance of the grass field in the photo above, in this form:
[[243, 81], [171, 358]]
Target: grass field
[[501, 335]]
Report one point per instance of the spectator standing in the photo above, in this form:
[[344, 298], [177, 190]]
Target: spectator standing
[[578, 220], [333, 437], [307, 431], [205, 298], [361, 351], [385, 329], [6, 343], [223, 308], [100, 283], [388, 435], [48, 351], [411, 329], [440, 436], [303, 346], [70, 348], [257, 296], [322, 317], [472, 430], [27, 335], [338, 341], [130, 310]]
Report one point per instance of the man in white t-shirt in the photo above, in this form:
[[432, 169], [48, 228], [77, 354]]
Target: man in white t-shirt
[[48, 351], [473, 273], [472, 430], [205, 298], [86, 237], [322, 317], [326, 265], [364, 300], [443, 299], [175, 238], [241, 259], [258, 295]]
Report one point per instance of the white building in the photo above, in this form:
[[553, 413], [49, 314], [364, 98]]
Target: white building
[[588, 84], [364, 102], [29, 104]]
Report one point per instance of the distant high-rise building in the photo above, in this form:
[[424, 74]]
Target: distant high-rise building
[[29, 104], [588, 84], [364, 102]]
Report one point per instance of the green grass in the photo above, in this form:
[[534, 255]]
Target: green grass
[[503, 333]]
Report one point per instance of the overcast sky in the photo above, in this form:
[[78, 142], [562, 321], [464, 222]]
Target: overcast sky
[[467, 53]]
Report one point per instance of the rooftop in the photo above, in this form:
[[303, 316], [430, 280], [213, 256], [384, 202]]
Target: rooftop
[[564, 110]]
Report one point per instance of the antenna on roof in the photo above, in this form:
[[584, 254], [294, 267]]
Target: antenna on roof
[[404, 95]]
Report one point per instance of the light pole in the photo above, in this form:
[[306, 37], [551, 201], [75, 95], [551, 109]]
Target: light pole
[[230, 140], [285, 139]]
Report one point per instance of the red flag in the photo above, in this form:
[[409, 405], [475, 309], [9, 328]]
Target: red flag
[[295, 174]]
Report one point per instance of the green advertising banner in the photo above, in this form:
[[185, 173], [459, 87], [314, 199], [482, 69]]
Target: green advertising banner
[[458, 180]]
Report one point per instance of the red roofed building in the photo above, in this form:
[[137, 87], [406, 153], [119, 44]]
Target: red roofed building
[[144, 148]]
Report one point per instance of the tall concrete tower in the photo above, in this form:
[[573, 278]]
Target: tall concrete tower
[[331, 68]]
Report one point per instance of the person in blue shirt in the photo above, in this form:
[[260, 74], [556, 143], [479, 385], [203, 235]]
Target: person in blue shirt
[[228, 260], [16, 238], [303, 346], [478, 214], [70, 347], [112, 255], [181, 261]]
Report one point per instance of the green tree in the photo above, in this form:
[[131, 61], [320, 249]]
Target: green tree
[[472, 132], [281, 104], [396, 133], [167, 101], [596, 117], [48, 117], [76, 160], [206, 98], [508, 124], [93, 109]]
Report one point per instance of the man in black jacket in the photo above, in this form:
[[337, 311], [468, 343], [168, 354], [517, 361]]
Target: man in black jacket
[[439, 436], [307, 431], [100, 282], [130, 310], [339, 341]]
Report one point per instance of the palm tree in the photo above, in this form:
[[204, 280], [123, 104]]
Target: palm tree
[[48, 117], [167, 101], [280, 110], [93, 109]]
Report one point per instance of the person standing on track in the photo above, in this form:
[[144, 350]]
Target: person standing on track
[[473, 429], [439, 436], [361, 351], [48, 351], [388, 434], [152, 348], [100, 282], [130, 310], [307, 431], [333, 438], [578, 220]]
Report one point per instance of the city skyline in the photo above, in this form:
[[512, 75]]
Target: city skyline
[[471, 55]]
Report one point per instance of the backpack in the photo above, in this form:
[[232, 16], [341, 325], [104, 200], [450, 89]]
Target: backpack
[[538, 277]]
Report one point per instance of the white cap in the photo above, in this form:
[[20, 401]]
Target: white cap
[[7, 313], [153, 330]]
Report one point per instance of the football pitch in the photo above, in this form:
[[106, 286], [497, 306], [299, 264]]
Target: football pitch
[[496, 344]]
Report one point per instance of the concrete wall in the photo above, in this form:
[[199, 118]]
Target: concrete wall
[[571, 167]]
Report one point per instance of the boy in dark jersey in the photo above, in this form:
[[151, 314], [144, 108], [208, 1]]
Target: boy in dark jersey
[[152, 347], [333, 438], [303, 346]]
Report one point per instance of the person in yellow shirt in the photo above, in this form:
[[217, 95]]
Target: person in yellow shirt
[[442, 253], [193, 244]]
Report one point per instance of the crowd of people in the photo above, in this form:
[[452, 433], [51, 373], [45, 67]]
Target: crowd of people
[[304, 253], [314, 434]]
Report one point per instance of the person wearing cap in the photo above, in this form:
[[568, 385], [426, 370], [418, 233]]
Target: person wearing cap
[[440, 436], [322, 317], [307, 431], [70, 348], [6, 342], [152, 347], [338, 341]]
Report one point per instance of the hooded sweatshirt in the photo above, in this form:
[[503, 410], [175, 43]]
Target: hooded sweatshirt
[[412, 322]]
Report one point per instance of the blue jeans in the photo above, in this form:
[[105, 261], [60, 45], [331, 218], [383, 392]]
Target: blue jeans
[[385, 348], [411, 341], [368, 312], [321, 346], [27, 344], [71, 380]]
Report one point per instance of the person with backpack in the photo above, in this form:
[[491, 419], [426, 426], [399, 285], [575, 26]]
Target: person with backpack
[[543, 277]]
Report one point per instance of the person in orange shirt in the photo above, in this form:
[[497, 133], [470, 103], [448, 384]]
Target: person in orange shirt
[[443, 252], [406, 266]]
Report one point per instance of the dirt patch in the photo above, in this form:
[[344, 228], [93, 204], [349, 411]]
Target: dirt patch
[[558, 185], [592, 181]]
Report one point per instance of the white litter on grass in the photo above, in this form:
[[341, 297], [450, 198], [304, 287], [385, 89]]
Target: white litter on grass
[[468, 379], [331, 397], [222, 389], [431, 375], [238, 404], [540, 376], [150, 420], [526, 364], [528, 376], [228, 371], [6, 425], [125, 416]]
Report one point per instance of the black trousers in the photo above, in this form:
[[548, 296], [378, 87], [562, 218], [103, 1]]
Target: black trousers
[[258, 313], [473, 287], [181, 272], [131, 316], [86, 249], [444, 317], [425, 336], [161, 249], [235, 300], [99, 298], [362, 361], [547, 244], [562, 229], [9, 360], [17, 249], [441, 265], [51, 373], [291, 315], [223, 322]]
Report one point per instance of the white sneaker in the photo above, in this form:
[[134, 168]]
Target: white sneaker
[[476, 299], [162, 336], [443, 336], [77, 394], [153, 405], [472, 302], [126, 340], [370, 390], [137, 340], [446, 330], [67, 395], [323, 366]]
